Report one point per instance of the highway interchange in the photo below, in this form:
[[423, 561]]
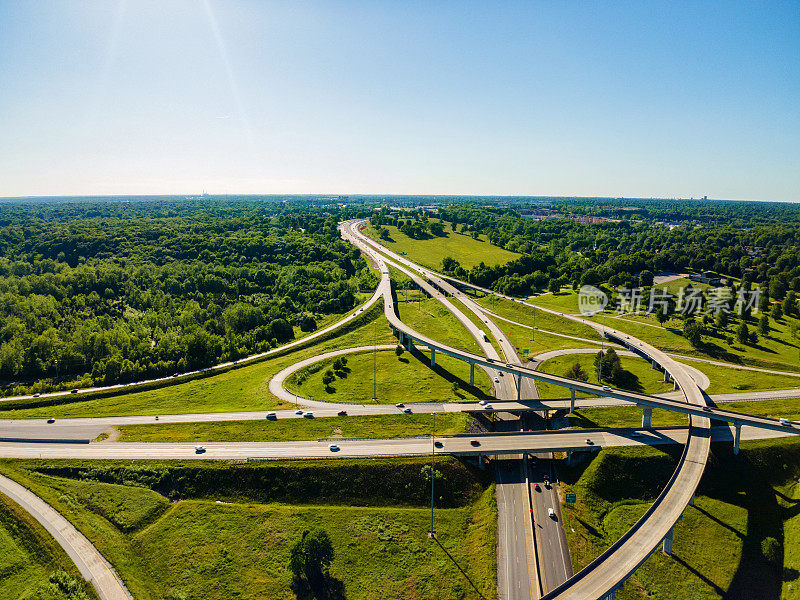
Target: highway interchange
[[533, 557]]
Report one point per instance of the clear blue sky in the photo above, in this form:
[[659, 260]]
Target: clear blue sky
[[668, 99]]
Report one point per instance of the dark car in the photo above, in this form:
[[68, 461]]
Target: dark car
[[51, 420], [342, 413], [475, 442], [438, 444], [73, 391]]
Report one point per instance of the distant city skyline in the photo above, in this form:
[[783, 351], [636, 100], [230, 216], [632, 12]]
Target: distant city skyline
[[630, 100]]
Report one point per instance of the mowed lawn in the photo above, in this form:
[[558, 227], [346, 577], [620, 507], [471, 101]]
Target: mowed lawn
[[717, 551], [642, 378], [405, 378], [430, 251], [214, 550], [282, 430]]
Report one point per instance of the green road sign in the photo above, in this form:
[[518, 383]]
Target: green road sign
[[571, 498], [524, 350]]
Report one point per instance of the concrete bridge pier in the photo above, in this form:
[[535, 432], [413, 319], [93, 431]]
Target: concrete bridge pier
[[400, 337], [667, 548], [666, 376], [655, 365], [519, 388], [647, 417], [472, 373], [433, 357], [737, 436], [572, 400]]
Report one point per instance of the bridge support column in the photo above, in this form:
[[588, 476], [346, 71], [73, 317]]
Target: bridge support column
[[691, 500], [519, 388], [737, 435], [572, 400], [666, 376], [674, 384], [569, 457], [667, 548], [647, 417], [400, 337], [433, 357], [655, 365], [472, 373]]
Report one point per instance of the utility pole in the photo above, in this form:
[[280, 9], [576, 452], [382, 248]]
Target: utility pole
[[375, 365], [534, 322], [602, 350], [431, 533]]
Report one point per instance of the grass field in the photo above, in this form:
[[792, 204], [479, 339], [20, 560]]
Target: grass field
[[624, 416], [429, 252], [434, 320], [730, 379], [333, 428], [778, 350], [741, 501], [214, 550], [642, 377], [405, 378], [29, 556], [525, 314]]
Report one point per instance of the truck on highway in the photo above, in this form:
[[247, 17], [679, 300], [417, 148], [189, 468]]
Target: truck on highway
[[483, 335]]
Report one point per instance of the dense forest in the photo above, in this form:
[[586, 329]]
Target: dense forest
[[108, 292]]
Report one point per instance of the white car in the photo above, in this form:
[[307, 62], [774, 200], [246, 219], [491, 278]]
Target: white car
[[406, 410], [308, 415], [333, 448], [399, 405], [606, 388], [786, 422], [488, 407], [482, 402], [199, 449], [551, 513], [299, 411]]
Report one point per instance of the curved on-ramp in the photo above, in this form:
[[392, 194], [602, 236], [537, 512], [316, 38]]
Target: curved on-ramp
[[610, 570], [91, 564]]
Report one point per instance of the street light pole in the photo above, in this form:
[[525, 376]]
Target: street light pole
[[534, 323], [433, 470], [375, 365]]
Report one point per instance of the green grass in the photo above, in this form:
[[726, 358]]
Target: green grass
[[624, 416], [730, 379], [434, 320], [372, 426], [525, 314], [717, 544], [29, 555], [643, 378], [245, 388], [202, 548], [405, 378], [565, 301], [778, 350], [429, 252]]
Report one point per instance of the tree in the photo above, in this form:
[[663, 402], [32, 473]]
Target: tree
[[311, 556], [790, 304], [743, 333], [399, 350], [763, 325], [662, 316], [777, 312], [307, 323], [722, 319], [555, 285], [608, 365], [327, 378], [693, 331], [576, 371], [753, 338], [646, 278]]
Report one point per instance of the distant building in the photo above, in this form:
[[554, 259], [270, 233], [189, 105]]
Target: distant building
[[707, 277]]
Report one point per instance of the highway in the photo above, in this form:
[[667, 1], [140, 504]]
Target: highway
[[614, 566]]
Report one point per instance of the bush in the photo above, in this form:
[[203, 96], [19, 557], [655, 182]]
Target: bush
[[771, 549]]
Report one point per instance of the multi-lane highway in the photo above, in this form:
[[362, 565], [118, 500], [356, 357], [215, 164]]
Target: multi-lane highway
[[534, 559]]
